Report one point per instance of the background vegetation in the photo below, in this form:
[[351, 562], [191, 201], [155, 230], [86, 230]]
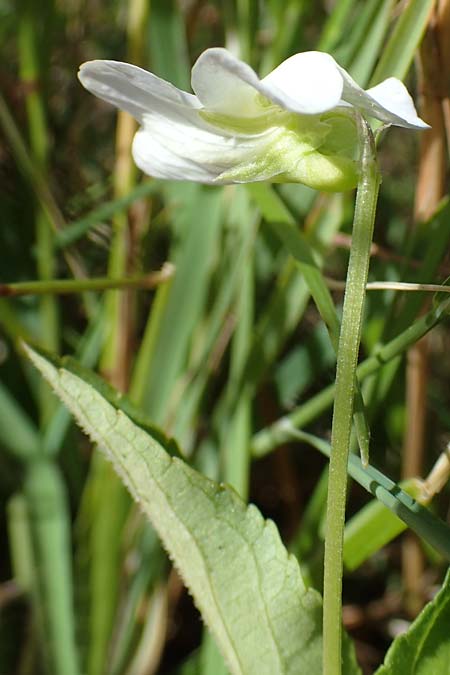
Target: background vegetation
[[216, 348]]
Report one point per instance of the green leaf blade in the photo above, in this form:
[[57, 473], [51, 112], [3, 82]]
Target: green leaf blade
[[425, 648], [246, 585]]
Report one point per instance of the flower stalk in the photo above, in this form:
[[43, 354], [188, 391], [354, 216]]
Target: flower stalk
[[301, 123], [347, 359]]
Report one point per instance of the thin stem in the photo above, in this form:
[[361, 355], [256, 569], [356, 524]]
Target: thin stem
[[277, 433], [37, 125], [65, 286], [408, 507], [31, 171], [402, 286], [344, 395]]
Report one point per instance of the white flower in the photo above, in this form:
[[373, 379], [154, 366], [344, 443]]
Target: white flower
[[297, 124]]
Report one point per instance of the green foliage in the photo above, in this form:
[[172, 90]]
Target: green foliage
[[425, 648], [46, 513], [399, 52], [228, 360], [247, 587], [372, 528]]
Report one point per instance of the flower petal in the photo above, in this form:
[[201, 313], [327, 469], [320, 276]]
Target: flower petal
[[175, 142], [181, 150], [133, 89], [388, 102], [393, 96], [225, 84], [307, 83], [156, 159]]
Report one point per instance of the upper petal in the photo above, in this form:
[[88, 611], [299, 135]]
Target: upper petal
[[133, 89], [388, 102], [225, 84], [307, 83]]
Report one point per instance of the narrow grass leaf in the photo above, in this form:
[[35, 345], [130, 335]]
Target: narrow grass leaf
[[335, 26], [406, 36], [169, 329], [373, 527], [431, 529], [168, 43], [373, 36], [280, 431], [49, 525], [72, 232], [236, 251], [18, 434]]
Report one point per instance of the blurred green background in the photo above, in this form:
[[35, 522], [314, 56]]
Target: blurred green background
[[216, 351]]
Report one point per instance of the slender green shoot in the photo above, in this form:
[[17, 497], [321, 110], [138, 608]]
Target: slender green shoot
[[66, 286], [347, 359]]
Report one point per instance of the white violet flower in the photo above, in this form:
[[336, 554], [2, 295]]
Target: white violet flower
[[297, 124]]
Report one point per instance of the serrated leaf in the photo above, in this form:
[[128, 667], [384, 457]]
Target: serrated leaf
[[247, 587], [425, 648]]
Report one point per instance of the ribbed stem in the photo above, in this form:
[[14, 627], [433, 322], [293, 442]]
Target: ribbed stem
[[347, 359]]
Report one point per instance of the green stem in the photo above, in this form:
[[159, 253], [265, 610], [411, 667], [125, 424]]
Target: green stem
[[279, 432], [37, 125], [411, 511], [31, 171], [64, 286], [344, 395], [298, 246]]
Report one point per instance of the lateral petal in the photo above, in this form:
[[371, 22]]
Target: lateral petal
[[180, 150], [393, 96], [134, 89], [388, 102]]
